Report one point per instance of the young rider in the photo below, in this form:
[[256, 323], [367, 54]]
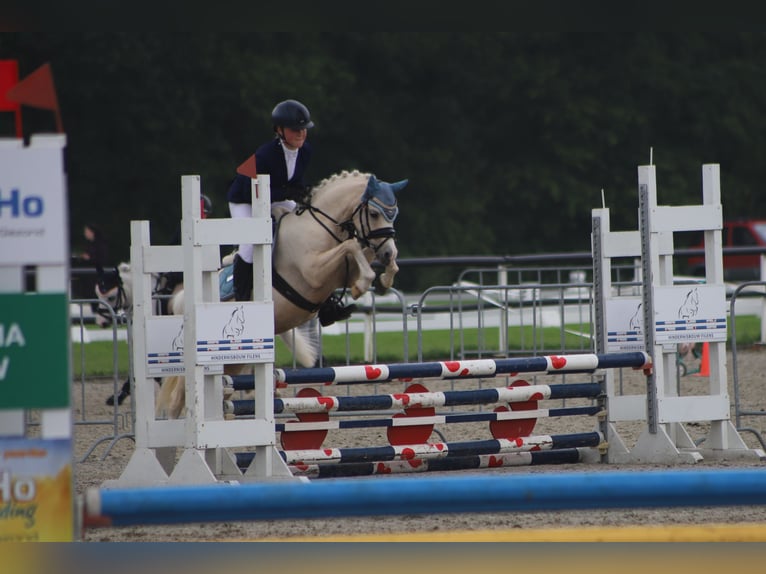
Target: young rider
[[285, 159]]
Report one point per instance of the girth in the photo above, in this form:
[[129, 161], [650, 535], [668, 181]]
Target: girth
[[283, 287]]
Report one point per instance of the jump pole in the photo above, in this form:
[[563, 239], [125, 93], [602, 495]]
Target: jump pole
[[546, 364], [446, 495]]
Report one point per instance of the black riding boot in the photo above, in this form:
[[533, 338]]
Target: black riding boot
[[243, 279], [334, 310]]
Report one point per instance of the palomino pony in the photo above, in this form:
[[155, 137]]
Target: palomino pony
[[327, 243]]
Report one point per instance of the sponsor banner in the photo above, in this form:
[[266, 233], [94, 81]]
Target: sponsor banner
[[34, 350], [36, 490], [683, 314], [624, 324], [227, 333], [240, 332], [165, 347], [33, 207], [690, 313]]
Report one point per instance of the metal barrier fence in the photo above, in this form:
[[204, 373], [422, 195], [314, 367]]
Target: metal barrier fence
[[119, 425], [739, 411]]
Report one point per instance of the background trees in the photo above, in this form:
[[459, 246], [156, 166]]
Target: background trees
[[507, 138]]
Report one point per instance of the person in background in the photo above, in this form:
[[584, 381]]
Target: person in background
[[96, 256], [96, 251], [285, 158]]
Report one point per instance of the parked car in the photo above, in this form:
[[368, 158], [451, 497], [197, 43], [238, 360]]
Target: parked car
[[739, 233]]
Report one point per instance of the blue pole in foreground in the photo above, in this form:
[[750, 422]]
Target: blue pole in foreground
[[392, 496]]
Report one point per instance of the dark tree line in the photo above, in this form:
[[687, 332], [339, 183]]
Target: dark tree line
[[507, 138]]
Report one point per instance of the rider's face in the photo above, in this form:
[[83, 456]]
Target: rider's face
[[294, 139]]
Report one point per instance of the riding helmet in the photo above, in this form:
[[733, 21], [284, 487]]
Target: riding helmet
[[291, 114]]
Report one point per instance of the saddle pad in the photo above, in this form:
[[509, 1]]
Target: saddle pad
[[226, 282]]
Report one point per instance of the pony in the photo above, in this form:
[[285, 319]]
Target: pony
[[327, 243], [114, 289]]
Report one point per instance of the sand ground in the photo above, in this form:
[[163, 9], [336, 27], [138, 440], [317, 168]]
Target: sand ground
[[97, 439]]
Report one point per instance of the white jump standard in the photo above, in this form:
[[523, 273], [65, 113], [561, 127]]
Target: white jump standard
[[664, 315]]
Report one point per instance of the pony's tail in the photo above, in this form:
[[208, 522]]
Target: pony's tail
[[304, 347], [171, 398]]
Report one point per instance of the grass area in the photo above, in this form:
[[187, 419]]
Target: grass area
[[98, 356]]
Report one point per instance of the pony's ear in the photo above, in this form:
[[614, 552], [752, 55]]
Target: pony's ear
[[373, 185], [399, 185]]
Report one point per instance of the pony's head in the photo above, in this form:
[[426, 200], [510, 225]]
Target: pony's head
[[112, 287], [377, 218], [361, 205]]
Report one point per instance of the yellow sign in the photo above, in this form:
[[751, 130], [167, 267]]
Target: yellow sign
[[36, 503]]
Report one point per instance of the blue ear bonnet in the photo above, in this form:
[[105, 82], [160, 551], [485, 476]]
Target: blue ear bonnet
[[383, 196]]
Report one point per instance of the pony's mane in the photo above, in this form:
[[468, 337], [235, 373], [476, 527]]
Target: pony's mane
[[338, 177]]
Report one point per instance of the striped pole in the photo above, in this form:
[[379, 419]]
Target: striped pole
[[419, 465], [511, 394], [245, 407], [432, 450], [396, 496], [359, 374], [417, 422]]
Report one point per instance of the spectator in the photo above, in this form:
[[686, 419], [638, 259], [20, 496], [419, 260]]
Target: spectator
[[96, 252]]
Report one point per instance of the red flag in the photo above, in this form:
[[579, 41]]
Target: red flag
[[247, 167], [37, 90], [9, 77]]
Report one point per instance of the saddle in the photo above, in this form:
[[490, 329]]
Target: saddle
[[329, 311]]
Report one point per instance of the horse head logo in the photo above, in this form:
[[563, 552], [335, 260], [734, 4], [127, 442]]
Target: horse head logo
[[178, 341], [690, 306], [235, 325], [636, 320]]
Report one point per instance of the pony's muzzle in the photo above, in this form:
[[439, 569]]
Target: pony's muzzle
[[387, 253]]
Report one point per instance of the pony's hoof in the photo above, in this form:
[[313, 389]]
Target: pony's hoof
[[381, 285], [120, 399]]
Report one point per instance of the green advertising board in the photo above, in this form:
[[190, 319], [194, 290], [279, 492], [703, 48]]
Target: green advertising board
[[34, 351]]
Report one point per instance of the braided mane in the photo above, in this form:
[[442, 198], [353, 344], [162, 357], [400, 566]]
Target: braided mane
[[337, 177]]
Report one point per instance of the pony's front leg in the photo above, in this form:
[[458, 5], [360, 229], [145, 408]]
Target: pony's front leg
[[345, 263], [387, 277], [366, 273]]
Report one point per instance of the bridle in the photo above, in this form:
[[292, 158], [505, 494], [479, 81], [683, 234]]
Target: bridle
[[364, 233], [118, 302]]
